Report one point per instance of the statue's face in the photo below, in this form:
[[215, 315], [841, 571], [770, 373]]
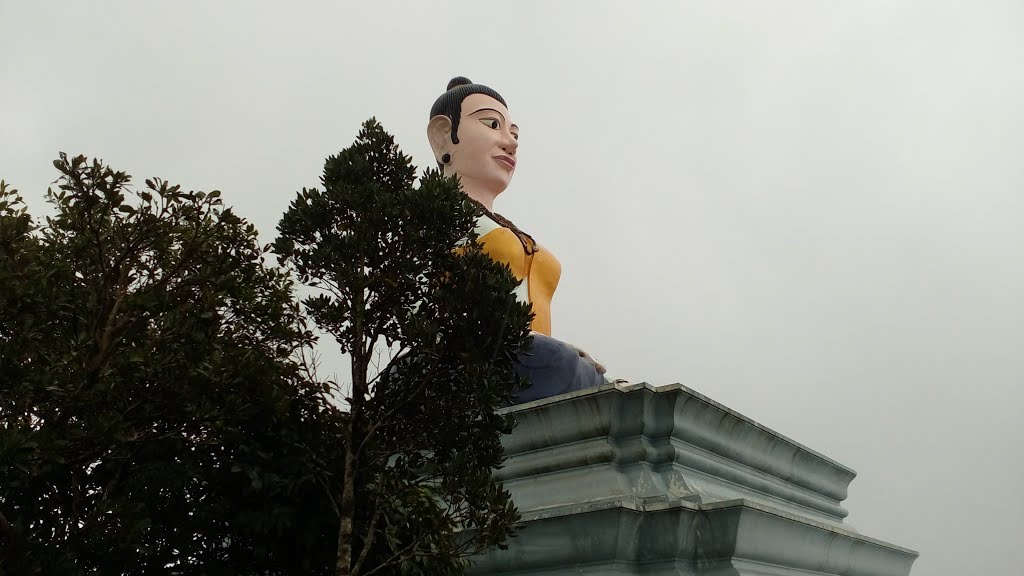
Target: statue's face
[[485, 156]]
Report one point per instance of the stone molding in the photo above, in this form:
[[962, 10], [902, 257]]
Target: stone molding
[[655, 536], [663, 481], [669, 441]]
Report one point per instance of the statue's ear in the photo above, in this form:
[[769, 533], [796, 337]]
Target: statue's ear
[[439, 131]]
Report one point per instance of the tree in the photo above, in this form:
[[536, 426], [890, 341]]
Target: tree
[[154, 418], [396, 267]]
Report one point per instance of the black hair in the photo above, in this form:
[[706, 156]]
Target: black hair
[[450, 103]]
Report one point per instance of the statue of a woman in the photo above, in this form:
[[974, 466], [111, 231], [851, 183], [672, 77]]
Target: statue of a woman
[[472, 135]]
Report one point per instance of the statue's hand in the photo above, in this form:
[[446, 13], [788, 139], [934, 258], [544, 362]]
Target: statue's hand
[[597, 365]]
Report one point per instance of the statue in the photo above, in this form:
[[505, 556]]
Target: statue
[[473, 137]]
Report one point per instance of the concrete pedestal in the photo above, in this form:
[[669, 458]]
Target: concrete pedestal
[[662, 480]]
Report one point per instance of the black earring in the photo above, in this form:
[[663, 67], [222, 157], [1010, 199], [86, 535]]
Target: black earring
[[446, 158]]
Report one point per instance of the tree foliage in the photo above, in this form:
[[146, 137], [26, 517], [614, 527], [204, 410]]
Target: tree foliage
[[155, 413], [153, 416], [395, 265]]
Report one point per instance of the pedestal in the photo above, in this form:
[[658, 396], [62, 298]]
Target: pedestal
[[665, 481]]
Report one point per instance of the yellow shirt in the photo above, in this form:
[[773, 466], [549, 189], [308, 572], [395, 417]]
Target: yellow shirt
[[538, 273]]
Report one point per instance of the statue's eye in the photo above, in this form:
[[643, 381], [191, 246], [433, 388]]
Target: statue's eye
[[492, 123]]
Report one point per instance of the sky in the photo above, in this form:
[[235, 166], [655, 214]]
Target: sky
[[809, 211]]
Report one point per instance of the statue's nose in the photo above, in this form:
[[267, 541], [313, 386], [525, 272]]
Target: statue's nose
[[510, 145]]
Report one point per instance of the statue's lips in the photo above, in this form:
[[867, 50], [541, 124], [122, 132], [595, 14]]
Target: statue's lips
[[506, 160]]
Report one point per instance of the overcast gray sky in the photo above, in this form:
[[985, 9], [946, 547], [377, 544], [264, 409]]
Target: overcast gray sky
[[809, 211]]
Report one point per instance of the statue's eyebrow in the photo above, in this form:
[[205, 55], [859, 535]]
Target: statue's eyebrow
[[492, 110]]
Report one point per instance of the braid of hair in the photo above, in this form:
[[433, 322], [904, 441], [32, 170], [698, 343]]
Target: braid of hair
[[529, 244]]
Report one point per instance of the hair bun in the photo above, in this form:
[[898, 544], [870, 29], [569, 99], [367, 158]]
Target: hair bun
[[458, 81]]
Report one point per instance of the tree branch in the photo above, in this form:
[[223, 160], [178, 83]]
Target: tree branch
[[405, 400], [396, 556], [371, 533], [5, 525]]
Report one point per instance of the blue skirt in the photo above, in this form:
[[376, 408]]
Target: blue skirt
[[553, 367]]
